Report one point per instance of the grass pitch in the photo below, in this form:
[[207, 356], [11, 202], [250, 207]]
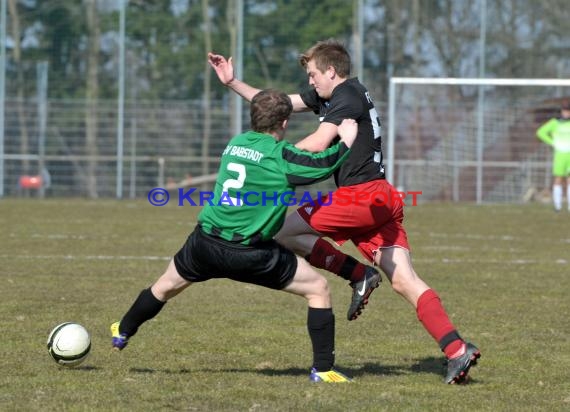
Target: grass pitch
[[502, 271]]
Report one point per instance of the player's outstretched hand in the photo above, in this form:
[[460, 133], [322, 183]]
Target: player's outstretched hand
[[347, 131], [224, 68]]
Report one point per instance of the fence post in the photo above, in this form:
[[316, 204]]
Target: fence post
[[42, 72], [2, 88], [121, 100], [160, 179]]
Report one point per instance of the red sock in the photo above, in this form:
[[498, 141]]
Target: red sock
[[326, 256], [431, 313]]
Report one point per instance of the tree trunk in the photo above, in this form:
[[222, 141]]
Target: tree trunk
[[17, 54], [207, 88], [92, 94], [231, 21]]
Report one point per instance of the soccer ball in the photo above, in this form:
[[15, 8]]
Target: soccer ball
[[69, 344]]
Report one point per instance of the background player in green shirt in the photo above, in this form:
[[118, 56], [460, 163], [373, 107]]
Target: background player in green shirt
[[234, 238], [556, 133]]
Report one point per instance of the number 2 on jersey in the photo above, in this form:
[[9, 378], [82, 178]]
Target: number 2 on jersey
[[235, 183]]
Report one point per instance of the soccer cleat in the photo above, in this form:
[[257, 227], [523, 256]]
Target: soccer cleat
[[331, 376], [120, 340], [361, 290], [458, 368]]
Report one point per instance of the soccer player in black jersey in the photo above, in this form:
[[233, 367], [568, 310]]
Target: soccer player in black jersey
[[234, 235], [374, 223]]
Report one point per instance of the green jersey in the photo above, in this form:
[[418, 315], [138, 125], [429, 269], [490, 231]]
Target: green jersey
[[255, 185], [556, 132]]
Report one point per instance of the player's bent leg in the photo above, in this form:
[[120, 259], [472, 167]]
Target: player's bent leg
[[169, 284], [396, 263], [297, 235], [461, 356], [147, 305], [310, 284]]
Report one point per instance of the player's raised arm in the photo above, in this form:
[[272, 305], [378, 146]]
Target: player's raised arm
[[224, 69]]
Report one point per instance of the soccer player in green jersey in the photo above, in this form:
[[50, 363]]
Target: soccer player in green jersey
[[234, 235], [556, 133]]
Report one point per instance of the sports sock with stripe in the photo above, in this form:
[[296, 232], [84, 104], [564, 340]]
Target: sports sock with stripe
[[432, 315], [326, 256]]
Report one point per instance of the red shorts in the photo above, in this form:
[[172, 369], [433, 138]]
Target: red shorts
[[369, 214]]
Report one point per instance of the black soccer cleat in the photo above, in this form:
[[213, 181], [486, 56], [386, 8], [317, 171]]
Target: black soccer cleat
[[361, 290], [458, 368]]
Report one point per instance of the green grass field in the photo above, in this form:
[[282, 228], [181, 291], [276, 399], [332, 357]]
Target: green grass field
[[502, 271]]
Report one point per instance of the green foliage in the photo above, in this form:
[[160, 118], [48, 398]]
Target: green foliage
[[55, 32], [279, 32], [166, 47], [226, 346]]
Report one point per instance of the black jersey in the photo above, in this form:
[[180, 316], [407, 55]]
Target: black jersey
[[351, 100]]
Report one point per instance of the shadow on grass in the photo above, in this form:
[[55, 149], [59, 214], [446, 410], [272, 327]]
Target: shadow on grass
[[80, 368], [429, 365], [424, 365]]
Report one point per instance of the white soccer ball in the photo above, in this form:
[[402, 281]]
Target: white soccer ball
[[69, 344]]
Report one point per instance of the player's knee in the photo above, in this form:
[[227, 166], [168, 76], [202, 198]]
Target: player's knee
[[321, 287], [323, 284], [401, 283]]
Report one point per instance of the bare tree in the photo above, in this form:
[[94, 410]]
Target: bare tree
[[92, 94], [231, 21], [17, 54], [207, 88]]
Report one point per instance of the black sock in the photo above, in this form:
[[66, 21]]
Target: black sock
[[320, 323], [145, 307]]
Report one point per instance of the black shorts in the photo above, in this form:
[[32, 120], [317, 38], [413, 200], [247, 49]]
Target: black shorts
[[205, 257]]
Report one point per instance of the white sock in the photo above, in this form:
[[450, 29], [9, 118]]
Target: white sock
[[557, 196]]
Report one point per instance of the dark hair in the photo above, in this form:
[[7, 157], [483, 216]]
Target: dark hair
[[565, 104], [268, 110], [328, 53]]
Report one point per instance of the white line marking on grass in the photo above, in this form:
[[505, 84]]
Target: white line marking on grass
[[493, 261], [474, 236], [424, 260], [445, 247], [58, 236], [96, 257]]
